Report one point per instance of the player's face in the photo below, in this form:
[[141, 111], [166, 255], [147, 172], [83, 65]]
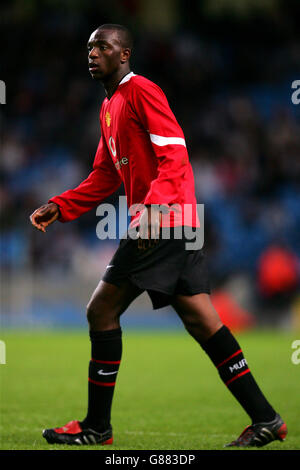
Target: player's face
[[105, 54]]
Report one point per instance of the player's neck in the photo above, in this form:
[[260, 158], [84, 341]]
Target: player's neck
[[112, 83]]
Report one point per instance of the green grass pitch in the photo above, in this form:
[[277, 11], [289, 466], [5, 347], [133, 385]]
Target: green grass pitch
[[168, 394]]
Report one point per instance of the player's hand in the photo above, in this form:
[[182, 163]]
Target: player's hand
[[44, 216], [149, 228]]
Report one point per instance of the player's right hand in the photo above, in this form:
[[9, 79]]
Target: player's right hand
[[44, 216]]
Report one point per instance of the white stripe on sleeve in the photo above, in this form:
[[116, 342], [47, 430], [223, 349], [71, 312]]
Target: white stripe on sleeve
[[161, 141]]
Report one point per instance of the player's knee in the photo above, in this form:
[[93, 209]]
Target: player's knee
[[90, 313], [100, 317], [192, 320], [201, 328]]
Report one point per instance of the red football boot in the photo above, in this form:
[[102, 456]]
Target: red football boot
[[72, 434], [260, 434]]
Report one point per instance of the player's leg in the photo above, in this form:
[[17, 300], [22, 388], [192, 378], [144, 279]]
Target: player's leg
[[198, 315], [107, 304], [202, 321]]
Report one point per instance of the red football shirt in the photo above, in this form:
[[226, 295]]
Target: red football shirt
[[143, 146]]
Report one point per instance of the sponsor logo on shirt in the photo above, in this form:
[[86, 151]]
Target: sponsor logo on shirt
[[118, 162], [112, 146]]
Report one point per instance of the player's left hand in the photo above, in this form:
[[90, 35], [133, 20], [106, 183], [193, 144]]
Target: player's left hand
[[44, 216]]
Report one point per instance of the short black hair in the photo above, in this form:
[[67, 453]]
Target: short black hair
[[124, 34]]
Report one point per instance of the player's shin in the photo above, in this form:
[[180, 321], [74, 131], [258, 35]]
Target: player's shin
[[227, 356], [103, 369]]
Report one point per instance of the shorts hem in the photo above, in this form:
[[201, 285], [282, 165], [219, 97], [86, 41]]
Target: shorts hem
[[137, 283], [195, 292], [147, 287]]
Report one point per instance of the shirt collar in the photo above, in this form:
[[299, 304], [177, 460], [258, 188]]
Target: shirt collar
[[127, 77]]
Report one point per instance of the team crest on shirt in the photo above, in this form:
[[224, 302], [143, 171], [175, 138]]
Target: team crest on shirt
[[108, 119]]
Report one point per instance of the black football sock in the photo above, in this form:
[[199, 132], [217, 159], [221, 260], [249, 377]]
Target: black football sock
[[227, 356], [103, 369]]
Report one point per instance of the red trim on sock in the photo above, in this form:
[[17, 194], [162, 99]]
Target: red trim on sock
[[228, 358], [105, 362], [237, 376], [104, 384]]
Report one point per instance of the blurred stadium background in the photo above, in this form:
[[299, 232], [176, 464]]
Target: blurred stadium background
[[227, 67]]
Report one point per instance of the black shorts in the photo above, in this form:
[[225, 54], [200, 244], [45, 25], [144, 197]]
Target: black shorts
[[163, 269]]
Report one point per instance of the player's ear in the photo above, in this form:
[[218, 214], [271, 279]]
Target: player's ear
[[125, 55]]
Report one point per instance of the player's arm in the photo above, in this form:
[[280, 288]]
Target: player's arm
[[151, 107], [101, 183]]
